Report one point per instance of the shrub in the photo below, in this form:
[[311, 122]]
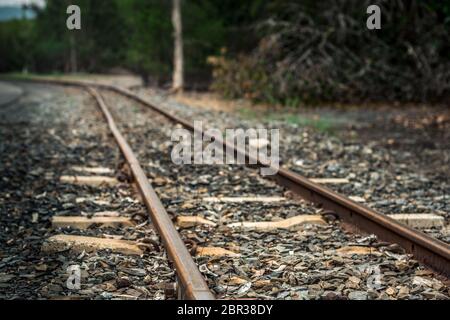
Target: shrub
[[322, 51]]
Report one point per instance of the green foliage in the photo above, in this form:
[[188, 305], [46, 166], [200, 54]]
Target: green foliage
[[15, 44], [134, 34], [43, 44], [276, 51], [204, 33], [99, 44], [314, 51], [149, 33]]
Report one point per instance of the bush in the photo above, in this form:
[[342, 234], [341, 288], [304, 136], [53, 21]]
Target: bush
[[322, 51]]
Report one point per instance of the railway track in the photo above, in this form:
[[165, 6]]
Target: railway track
[[191, 283]]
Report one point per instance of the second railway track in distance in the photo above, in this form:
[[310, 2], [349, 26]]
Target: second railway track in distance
[[222, 177], [220, 213]]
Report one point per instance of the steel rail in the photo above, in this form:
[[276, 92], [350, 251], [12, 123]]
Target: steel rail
[[431, 252], [192, 285]]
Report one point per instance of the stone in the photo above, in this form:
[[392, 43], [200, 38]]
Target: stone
[[420, 281], [261, 283], [135, 272], [4, 278], [357, 295], [109, 287], [236, 281], [351, 250], [148, 279], [34, 217], [41, 267], [123, 282], [354, 279], [244, 289], [390, 291], [357, 199], [403, 292]]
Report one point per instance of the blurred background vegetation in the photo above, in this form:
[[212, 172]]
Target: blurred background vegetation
[[276, 51]]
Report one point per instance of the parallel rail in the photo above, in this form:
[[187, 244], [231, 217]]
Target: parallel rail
[[432, 252], [192, 285]]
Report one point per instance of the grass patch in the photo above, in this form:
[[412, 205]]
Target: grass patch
[[249, 114], [323, 124], [326, 124]]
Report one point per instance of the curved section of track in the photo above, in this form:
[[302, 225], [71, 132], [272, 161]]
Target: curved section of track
[[431, 252], [9, 94]]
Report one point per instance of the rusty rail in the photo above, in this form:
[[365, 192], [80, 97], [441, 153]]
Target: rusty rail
[[432, 252], [191, 285]]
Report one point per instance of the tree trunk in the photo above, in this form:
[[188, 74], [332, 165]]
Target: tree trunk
[[178, 81], [73, 54]]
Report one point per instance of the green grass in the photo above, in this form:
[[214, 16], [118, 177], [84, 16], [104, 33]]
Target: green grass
[[325, 124], [55, 75], [249, 114], [31, 76]]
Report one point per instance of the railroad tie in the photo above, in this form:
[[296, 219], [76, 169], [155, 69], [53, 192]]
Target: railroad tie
[[77, 222], [330, 181], [78, 244], [243, 199], [419, 220], [94, 170], [93, 181], [292, 224]]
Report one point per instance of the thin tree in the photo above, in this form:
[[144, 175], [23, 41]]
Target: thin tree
[[73, 53], [178, 60], [73, 63]]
